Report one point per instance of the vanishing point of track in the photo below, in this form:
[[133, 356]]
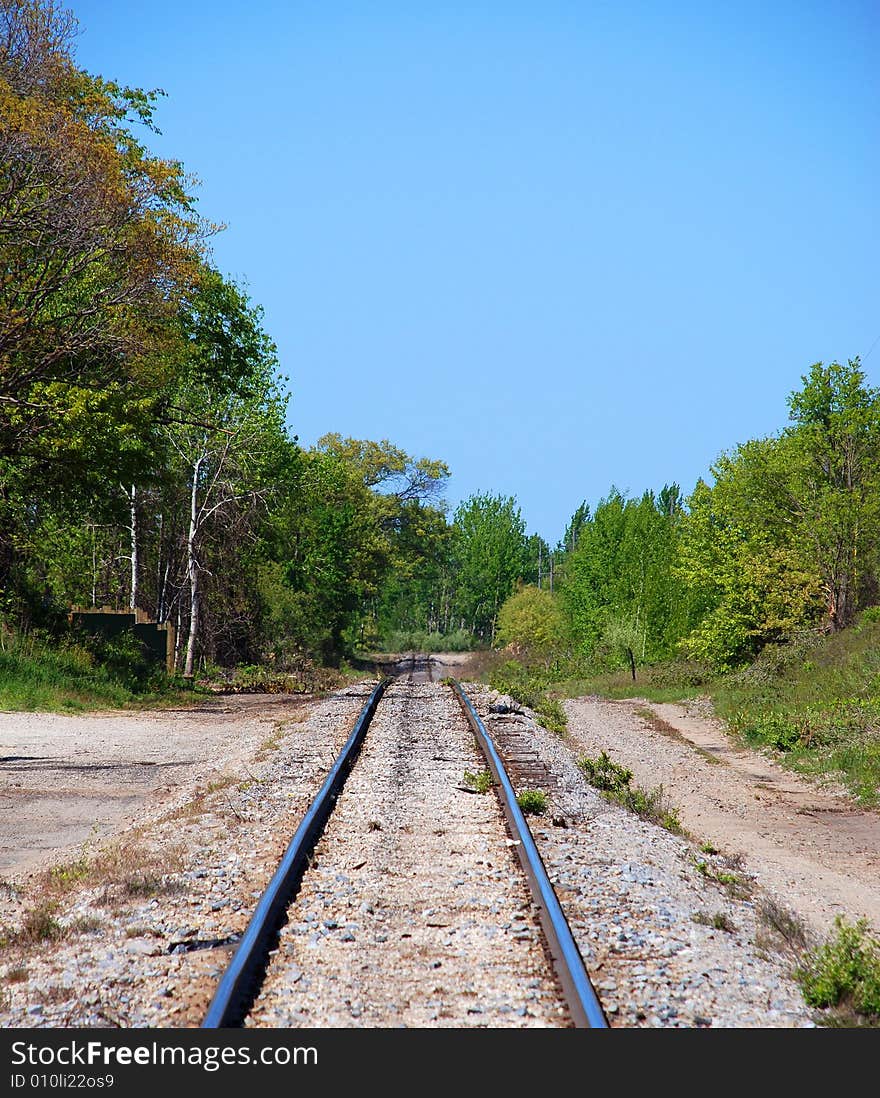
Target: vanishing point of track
[[261, 981]]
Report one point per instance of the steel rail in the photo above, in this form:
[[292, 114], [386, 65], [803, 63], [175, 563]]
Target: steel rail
[[583, 1003], [236, 990]]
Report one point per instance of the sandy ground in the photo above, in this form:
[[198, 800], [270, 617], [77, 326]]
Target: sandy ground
[[811, 848], [70, 780]]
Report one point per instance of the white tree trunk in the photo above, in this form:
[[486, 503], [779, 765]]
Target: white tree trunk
[[132, 510], [192, 571]]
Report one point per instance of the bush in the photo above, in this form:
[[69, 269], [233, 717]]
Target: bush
[[532, 619], [844, 972], [533, 802], [614, 783]]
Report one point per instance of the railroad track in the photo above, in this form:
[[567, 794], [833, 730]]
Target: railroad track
[[404, 898]]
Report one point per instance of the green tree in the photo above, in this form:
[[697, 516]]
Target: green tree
[[225, 434], [533, 621], [743, 557], [622, 571], [834, 480], [490, 555]]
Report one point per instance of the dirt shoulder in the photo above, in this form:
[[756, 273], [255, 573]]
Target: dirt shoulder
[[68, 780], [810, 848]]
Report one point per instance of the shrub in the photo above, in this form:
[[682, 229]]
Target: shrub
[[844, 972], [614, 783], [532, 619], [533, 802]]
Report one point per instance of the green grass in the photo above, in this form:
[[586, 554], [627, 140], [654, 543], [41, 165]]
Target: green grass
[[674, 680], [724, 871], [36, 674], [817, 703]]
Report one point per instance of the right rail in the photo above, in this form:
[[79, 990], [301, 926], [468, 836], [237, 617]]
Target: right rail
[[583, 1003]]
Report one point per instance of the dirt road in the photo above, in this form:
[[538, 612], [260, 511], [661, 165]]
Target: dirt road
[[812, 849]]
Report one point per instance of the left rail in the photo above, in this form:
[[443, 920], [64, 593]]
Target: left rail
[[241, 981]]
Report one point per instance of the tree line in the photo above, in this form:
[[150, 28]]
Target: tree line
[[146, 458], [782, 536], [145, 455]]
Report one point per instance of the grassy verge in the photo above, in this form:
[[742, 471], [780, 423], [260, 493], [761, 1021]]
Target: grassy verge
[[36, 674], [816, 702], [675, 680]]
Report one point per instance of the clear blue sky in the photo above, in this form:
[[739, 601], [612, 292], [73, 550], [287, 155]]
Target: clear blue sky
[[559, 245]]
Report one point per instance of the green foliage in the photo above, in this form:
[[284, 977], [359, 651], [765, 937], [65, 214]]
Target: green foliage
[[489, 550], [815, 700], [40, 925], [605, 774], [533, 802], [529, 686], [87, 673], [723, 871], [532, 620], [419, 641], [624, 599], [788, 534], [844, 972], [615, 783], [480, 782], [737, 556]]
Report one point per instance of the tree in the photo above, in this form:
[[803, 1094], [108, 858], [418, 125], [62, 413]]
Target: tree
[[834, 482], [787, 536], [97, 238], [490, 556], [622, 571], [225, 429], [533, 621], [743, 558]]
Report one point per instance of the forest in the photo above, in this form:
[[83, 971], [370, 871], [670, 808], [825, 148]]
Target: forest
[[147, 457]]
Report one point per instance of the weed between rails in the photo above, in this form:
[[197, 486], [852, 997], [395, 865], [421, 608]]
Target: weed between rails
[[481, 782]]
